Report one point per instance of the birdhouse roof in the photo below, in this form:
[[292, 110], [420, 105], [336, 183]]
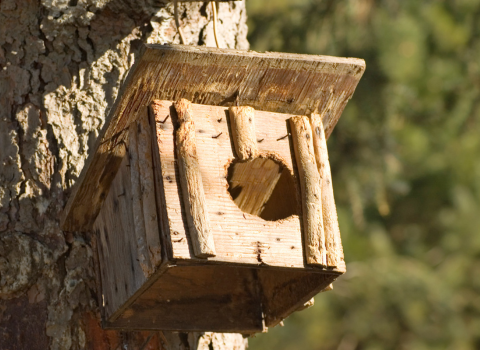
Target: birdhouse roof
[[274, 82]]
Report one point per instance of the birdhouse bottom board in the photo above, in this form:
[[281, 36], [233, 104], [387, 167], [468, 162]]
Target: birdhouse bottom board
[[256, 275]]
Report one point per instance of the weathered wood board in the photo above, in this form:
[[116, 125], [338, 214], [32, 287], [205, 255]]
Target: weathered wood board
[[216, 297], [286, 83], [127, 227], [118, 254]]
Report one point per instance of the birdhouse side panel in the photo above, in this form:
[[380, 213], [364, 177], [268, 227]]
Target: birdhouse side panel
[[130, 249], [121, 272]]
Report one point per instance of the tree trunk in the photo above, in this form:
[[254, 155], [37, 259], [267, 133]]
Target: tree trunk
[[62, 63]]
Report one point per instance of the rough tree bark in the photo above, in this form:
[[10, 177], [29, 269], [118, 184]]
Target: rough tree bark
[[61, 64]]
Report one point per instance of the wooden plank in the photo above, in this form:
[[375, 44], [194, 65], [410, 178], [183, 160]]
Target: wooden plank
[[121, 273], [333, 241], [137, 205], [147, 187], [191, 180], [313, 231], [286, 83], [242, 121], [308, 304], [285, 292]]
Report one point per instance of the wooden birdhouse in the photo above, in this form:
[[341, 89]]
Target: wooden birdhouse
[[209, 192]]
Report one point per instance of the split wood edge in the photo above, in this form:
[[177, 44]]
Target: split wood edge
[[242, 120], [333, 240], [310, 185], [191, 182], [155, 121], [307, 304], [139, 231]]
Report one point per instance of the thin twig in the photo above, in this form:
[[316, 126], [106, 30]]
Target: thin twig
[[177, 22], [214, 10]]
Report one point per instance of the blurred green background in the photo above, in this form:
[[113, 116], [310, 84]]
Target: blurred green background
[[405, 158]]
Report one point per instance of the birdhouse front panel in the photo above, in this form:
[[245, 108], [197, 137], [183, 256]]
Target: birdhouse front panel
[[267, 230]]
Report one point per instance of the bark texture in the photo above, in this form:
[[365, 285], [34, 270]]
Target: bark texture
[[61, 64]]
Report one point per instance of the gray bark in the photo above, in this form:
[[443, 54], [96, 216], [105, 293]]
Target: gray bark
[[61, 64]]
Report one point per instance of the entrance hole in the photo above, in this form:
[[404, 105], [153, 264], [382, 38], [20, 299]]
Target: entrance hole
[[262, 187]]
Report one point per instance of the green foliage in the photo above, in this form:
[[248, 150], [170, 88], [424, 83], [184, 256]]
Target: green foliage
[[406, 167]]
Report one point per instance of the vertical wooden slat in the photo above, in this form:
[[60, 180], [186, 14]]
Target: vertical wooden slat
[[310, 189], [333, 241], [156, 120], [192, 184], [147, 185], [242, 120], [138, 217]]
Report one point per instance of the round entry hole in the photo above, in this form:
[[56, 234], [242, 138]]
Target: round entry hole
[[262, 187]]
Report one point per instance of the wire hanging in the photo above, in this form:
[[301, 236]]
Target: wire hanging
[[214, 10]]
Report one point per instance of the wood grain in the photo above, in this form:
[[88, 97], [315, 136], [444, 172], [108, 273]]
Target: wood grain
[[191, 182], [333, 241], [287, 83], [313, 231], [242, 121]]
